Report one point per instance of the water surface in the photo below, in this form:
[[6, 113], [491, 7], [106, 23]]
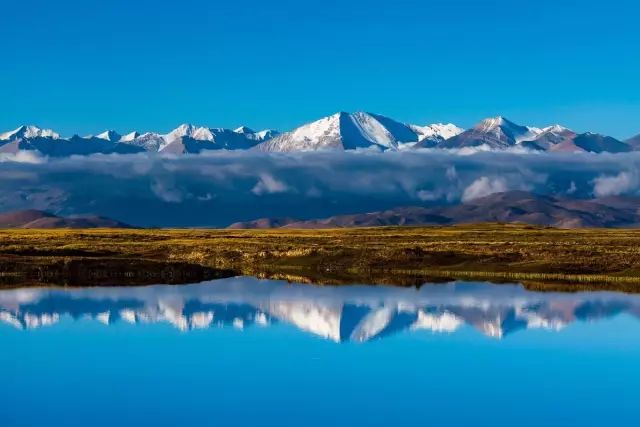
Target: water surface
[[243, 351]]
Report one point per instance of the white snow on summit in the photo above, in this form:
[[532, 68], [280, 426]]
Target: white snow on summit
[[499, 125], [109, 135], [344, 131], [439, 130], [130, 136], [28, 132], [195, 132]]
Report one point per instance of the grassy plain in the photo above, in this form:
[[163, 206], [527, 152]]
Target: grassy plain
[[401, 255]]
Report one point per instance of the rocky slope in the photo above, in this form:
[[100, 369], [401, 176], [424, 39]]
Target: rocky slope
[[506, 207]]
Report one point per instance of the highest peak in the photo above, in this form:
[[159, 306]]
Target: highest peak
[[556, 129], [343, 115], [492, 122], [185, 127], [191, 131]]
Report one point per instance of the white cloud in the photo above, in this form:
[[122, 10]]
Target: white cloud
[[218, 188], [269, 185], [29, 157], [166, 191], [622, 183], [484, 186]]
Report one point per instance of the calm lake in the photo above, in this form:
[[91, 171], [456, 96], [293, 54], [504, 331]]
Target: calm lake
[[243, 351]]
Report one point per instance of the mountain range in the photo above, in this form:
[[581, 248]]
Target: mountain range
[[184, 139], [505, 207], [338, 132]]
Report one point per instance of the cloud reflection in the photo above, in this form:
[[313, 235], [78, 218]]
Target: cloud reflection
[[340, 314]]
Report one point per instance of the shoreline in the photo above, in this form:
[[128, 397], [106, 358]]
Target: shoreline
[[597, 258]]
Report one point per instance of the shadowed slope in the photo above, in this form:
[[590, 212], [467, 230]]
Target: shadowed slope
[[40, 219]]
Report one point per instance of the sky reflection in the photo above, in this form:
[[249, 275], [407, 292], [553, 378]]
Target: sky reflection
[[340, 314]]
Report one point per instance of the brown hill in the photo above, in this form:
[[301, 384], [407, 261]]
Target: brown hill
[[508, 207], [263, 223], [40, 219]]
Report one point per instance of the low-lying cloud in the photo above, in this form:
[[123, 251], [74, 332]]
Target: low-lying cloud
[[218, 188], [624, 182], [484, 186]]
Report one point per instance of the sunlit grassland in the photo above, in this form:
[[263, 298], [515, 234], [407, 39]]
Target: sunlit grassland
[[487, 251]]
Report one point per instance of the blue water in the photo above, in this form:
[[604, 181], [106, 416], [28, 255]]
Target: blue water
[[243, 351]]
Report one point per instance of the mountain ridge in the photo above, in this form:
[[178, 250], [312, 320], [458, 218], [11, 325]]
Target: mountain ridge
[[341, 131], [33, 218], [503, 207]]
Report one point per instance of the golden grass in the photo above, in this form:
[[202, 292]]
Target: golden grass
[[505, 252]]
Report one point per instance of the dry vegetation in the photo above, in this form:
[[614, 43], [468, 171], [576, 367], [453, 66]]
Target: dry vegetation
[[392, 254]]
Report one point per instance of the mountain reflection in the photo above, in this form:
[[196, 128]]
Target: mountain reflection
[[342, 313]]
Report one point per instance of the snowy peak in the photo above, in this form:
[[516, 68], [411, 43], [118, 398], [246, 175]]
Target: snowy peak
[[130, 137], [109, 135], [557, 129], [344, 131], [439, 130], [340, 131], [259, 136], [244, 130], [240, 138], [493, 133], [28, 132], [149, 141], [190, 131], [491, 123], [203, 134], [501, 126], [322, 134], [383, 131], [192, 139], [265, 134], [430, 136], [557, 138], [552, 138]]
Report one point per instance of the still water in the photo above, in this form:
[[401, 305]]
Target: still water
[[243, 351]]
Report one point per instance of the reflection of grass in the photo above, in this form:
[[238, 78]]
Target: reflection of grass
[[489, 251]]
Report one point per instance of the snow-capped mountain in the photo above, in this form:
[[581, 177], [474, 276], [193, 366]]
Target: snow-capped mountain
[[59, 147], [192, 139], [184, 139], [28, 132], [130, 136], [550, 139], [149, 141], [338, 132], [561, 139], [260, 136], [592, 143], [494, 133], [109, 135], [344, 131], [432, 135], [191, 131]]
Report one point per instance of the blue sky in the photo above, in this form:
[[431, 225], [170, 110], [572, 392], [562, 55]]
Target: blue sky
[[86, 66]]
